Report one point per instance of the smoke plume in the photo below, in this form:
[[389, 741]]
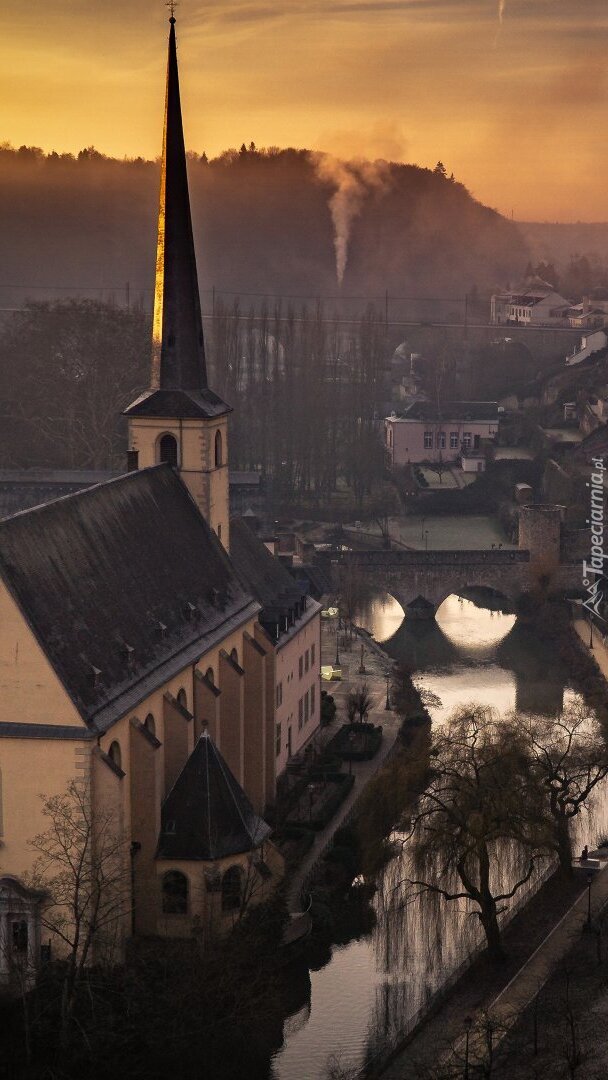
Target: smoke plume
[[502, 7], [353, 181]]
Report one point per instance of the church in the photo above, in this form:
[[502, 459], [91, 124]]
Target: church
[[138, 657]]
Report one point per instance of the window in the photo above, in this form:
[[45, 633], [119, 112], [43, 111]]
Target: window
[[428, 440], [312, 700], [279, 694], [306, 707], [219, 532], [306, 660], [175, 893], [149, 724], [301, 666], [218, 449], [441, 440], [209, 675], [114, 753], [231, 889], [300, 713], [19, 936], [277, 741], [453, 440], [182, 698], [234, 656], [168, 449], [312, 655], [466, 440]]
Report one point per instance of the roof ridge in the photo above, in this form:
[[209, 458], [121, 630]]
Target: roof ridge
[[84, 491]]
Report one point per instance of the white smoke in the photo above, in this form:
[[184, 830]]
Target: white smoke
[[502, 7], [354, 181]]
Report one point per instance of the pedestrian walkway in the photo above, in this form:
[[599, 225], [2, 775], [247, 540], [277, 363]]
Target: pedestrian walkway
[[440, 1044], [509, 1005], [376, 668]]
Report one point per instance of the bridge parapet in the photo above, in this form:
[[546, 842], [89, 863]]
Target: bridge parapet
[[473, 557]]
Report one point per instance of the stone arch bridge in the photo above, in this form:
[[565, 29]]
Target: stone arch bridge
[[421, 580]]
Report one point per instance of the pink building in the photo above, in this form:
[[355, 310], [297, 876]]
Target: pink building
[[425, 433], [293, 621]]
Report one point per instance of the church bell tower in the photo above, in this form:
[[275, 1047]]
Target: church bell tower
[[179, 419]]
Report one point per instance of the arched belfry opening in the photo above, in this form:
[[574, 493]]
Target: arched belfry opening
[[219, 450], [167, 450]]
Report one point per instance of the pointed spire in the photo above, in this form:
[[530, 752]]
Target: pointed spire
[[178, 349]]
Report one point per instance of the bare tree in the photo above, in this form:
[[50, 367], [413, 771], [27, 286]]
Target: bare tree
[[82, 866], [568, 759], [472, 827]]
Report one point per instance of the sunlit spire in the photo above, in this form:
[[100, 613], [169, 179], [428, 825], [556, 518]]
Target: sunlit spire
[[178, 349]]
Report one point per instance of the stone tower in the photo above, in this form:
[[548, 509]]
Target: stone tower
[[179, 419]]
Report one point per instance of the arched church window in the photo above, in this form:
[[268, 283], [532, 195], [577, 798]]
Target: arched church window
[[234, 655], [231, 889], [210, 676], [168, 449], [182, 698], [175, 893], [150, 724], [115, 755], [218, 449]]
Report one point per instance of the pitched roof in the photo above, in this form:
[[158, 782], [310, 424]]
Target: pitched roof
[[207, 815], [265, 575], [21, 489], [451, 410], [123, 584]]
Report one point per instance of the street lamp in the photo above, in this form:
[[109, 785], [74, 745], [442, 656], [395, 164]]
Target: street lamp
[[362, 670], [468, 1022], [337, 643], [426, 539], [589, 880], [422, 529], [388, 700]]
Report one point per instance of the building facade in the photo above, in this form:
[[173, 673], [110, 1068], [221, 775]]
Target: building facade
[[425, 433]]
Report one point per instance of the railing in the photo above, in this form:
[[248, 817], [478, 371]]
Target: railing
[[493, 557]]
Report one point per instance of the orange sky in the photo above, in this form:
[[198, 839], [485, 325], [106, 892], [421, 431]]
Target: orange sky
[[517, 109]]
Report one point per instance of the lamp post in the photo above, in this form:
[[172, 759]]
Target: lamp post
[[337, 643], [311, 793], [426, 539], [589, 880], [468, 1021], [388, 699], [422, 529]]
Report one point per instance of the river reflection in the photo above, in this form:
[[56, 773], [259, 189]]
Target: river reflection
[[371, 989]]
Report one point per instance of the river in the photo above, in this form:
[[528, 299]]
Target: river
[[371, 989]]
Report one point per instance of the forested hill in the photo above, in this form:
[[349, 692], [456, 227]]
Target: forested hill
[[262, 221]]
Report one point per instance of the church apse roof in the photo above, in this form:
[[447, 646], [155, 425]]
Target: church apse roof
[[207, 815], [123, 585]]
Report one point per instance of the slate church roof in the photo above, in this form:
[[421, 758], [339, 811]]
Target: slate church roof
[[279, 594], [123, 584], [207, 815]]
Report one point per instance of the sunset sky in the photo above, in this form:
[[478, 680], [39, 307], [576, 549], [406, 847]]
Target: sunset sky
[[513, 97]]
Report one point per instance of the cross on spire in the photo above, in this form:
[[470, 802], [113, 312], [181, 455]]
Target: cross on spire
[[172, 4]]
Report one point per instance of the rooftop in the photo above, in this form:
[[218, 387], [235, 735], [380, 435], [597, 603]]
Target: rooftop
[[128, 586], [207, 815]]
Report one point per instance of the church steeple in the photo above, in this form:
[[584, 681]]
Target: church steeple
[[178, 347], [179, 419]]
